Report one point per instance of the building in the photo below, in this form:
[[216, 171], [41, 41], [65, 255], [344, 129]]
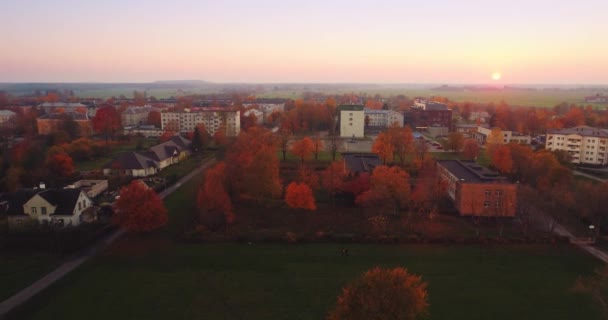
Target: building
[[476, 190], [352, 121], [267, 108], [50, 123], [147, 131], [598, 98], [7, 118], [60, 107], [135, 116], [212, 118], [259, 115], [466, 128], [152, 161], [586, 145], [57, 207], [382, 118], [356, 162], [482, 134], [431, 115], [92, 188]]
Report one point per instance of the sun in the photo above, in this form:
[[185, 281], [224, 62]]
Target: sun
[[496, 76]]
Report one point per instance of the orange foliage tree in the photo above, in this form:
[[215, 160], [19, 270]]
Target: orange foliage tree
[[402, 140], [383, 294], [299, 196], [303, 148], [139, 208], [332, 178], [107, 121], [213, 199], [60, 166], [470, 149], [383, 146], [154, 118], [167, 134], [390, 187], [501, 159]]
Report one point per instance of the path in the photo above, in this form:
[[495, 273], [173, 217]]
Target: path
[[586, 175], [74, 262]]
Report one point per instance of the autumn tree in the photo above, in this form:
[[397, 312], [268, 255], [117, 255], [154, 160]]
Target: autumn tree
[[334, 145], [154, 118], [303, 148], [501, 159], [318, 143], [402, 140], [308, 176], [332, 179], [428, 190], [455, 141], [60, 166], [299, 196], [284, 135], [107, 121], [421, 152], [390, 187], [139, 208], [166, 136], [213, 199], [383, 146], [494, 139], [383, 294], [470, 149]]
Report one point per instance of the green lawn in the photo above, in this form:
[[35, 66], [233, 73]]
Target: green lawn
[[234, 281], [18, 271]]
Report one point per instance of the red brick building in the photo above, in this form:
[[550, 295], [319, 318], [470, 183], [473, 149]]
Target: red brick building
[[476, 190], [50, 123]]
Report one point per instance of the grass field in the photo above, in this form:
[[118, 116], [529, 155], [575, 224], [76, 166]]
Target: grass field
[[17, 271], [114, 150]]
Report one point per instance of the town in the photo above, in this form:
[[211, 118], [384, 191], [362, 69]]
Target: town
[[344, 169]]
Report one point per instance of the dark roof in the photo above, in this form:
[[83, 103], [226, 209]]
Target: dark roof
[[12, 203], [360, 162], [350, 107], [64, 199], [470, 171], [435, 106], [60, 116], [585, 131], [168, 149], [132, 161]]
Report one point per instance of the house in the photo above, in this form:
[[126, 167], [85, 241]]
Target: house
[[57, 207], [150, 162], [476, 190], [507, 136], [356, 163], [586, 145], [352, 121]]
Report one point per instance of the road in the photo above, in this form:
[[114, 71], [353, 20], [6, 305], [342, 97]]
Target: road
[[74, 262], [586, 175]]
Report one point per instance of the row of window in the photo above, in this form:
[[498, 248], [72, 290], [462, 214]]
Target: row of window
[[497, 193]]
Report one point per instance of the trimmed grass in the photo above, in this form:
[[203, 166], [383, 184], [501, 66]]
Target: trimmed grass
[[18, 271], [234, 281], [323, 156]]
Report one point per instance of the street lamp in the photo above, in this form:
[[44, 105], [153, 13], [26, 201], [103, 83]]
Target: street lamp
[[591, 229]]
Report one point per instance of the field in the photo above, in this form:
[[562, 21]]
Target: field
[[154, 277], [18, 271]]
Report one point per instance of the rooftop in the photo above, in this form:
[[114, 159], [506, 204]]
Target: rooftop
[[350, 107], [470, 171], [583, 131], [360, 162]]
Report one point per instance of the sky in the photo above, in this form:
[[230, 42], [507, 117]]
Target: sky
[[263, 41]]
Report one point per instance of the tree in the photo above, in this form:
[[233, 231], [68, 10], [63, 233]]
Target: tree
[[308, 176], [107, 121], [383, 294], [390, 187], [166, 136], [60, 166], [318, 143], [470, 149], [154, 118], [334, 145], [455, 141], [200, 138], [383, 146], [284, 136], [213, 199], [501, 159], [303, 148], [299, 196], [402, 140], [332, 178], [220, 138], [139, 208]]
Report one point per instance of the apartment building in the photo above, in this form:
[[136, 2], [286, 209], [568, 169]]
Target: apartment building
[[135, 116], [476, 190], [382, 118], [352, 121], [586, 145], [507, 136], [212, 118]]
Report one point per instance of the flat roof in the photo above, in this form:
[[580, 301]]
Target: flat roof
[[470, 171]]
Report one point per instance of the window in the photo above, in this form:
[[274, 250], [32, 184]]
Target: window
[[34, 210], [498, 204], [488, 193], [43, 210], [79, 206], [498, 193], [486, 204]]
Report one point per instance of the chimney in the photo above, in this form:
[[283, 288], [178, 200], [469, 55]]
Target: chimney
[[42, 185]]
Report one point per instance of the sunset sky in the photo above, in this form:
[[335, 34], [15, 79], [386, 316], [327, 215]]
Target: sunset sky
[[382, 41]]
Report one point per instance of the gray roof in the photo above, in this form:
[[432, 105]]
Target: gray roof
[[62, 105], [470, 171], [136, 110], [583, 131], [132, 161], [361, 162]]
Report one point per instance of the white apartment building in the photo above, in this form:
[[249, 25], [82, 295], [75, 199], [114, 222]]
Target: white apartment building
[[586, 145], [266, 108], [212, 118], [382, 118], [135, 116], [352, 121], [7, 118]]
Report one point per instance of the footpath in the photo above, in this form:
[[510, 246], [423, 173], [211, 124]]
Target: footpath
[[74, 262]]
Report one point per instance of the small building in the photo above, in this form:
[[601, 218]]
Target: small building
[[356, 163], [352, 121], [476, 190], [57, 207]]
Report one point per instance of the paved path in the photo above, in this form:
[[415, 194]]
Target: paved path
[[74, 262], [580, 173]]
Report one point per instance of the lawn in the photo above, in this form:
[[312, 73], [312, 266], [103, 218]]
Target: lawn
[[115, 149], [18, 271], [239, 281]]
